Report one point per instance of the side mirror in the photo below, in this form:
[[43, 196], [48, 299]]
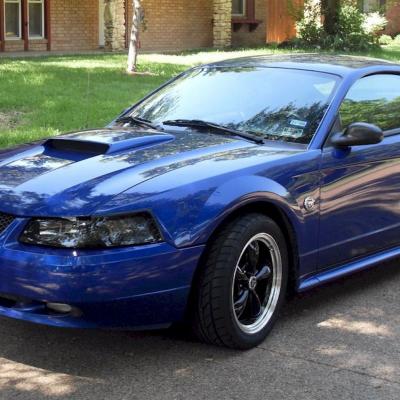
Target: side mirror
[[357, 134]]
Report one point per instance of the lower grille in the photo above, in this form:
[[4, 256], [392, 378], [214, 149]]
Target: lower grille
[[5, 221]]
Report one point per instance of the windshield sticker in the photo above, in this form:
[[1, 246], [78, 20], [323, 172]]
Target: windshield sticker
[[297, 122], [293, 132]]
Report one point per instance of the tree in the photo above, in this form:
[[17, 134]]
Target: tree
[[134, 39], [308, 11], [330, 11]]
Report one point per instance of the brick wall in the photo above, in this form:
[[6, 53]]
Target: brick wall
[[244, 37], [38, 45], [169, 25], [176, 25], [19, 45], [75, 24], [14, 45]]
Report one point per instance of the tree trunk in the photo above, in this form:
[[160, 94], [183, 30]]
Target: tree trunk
[[330, 10], [134, 39]]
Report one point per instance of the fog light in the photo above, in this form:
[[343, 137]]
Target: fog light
[[60, 308]]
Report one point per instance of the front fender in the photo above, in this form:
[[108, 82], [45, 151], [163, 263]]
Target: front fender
[[239, 192], [189, 210], [244, 190]]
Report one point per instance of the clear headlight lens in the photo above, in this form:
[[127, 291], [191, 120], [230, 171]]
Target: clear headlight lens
[[92, 233]]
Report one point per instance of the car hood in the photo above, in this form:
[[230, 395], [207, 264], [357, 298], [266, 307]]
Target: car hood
[[74, 174]]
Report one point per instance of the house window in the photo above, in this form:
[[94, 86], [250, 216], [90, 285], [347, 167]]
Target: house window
[[368, 6], [36, 19], [239, 7], [12, 19]]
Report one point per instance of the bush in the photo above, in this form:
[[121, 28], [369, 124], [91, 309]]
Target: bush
[[385, 40], [374, 23], [355, 31], [309, 28], [351, 33], [396, 40], [350, 20]]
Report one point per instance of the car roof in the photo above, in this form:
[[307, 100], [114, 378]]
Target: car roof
[[328, 63]]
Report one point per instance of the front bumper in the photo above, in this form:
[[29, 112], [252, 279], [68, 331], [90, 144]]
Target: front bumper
[[136, 287]]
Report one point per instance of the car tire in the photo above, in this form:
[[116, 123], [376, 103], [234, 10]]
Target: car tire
[[242, 283]]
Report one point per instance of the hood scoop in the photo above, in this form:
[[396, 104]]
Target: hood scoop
[[94, 147], [76, 146]]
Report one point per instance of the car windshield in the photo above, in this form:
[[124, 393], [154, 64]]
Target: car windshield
[[274, 103]]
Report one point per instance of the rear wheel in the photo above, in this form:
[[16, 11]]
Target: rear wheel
[[243, 283]]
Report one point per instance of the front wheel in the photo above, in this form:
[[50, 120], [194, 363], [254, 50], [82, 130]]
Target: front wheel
[[243, 283]]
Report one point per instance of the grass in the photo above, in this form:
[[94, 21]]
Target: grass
[[46, 96]]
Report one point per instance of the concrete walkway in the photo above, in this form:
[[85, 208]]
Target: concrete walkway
[[341, 342], [183, 58], [33, 54]]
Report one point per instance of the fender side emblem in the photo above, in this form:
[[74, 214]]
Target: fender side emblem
[[309, 203]]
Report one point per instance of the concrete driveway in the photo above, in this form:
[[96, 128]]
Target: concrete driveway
[[340, 342]]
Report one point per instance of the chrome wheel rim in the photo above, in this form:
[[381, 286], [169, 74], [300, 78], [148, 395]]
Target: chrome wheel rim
[[257, 283]]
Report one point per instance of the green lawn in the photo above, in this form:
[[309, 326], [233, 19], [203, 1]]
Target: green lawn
[[42, 97], [47, 96]]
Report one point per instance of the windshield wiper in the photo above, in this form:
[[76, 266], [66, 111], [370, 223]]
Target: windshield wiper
[[129, 119], [196, 123]]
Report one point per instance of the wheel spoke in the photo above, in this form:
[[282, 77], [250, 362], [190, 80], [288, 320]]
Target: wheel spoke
[[255, 304], [264, 273], [253, 255], [241, 303], [240, 274]]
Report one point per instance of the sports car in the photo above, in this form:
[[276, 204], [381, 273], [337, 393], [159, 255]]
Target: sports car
[[208, 200]]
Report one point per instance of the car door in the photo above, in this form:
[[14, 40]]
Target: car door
[[360, 186]]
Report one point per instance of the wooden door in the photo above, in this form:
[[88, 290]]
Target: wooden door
[[280, 22]]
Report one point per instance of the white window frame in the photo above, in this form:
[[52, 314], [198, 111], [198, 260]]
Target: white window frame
[[244, 10], [43, 27], [19, 2]]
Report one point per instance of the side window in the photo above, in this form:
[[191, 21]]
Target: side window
[[238, 8], [374, 99]]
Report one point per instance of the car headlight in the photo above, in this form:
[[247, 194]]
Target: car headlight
[[92, 233]]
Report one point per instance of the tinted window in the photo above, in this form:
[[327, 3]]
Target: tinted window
[[374, 99], [279, 104]]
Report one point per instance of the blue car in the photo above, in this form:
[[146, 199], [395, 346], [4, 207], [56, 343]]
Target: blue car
[[208, 200]]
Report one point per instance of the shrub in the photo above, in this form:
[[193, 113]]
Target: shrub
[[385, 40], [396, 40], [350, 20], [355, 31], [374, 23], [309, 28], [351, 34]]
